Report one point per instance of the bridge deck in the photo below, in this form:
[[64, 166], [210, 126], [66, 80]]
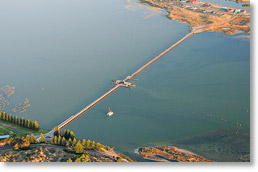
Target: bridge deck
[[70, 119]]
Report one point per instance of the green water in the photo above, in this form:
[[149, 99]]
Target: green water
[[73, 49]]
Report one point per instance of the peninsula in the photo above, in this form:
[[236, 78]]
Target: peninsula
[[214, 17]]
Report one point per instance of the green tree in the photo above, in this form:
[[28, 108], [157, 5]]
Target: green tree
[[42, 138], [78, 148], [33, 139]]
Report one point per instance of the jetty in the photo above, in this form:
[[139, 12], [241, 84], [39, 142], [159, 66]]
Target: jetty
[[122, 83]]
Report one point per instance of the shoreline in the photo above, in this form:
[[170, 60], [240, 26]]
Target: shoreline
[[169, 154], [214, 17]]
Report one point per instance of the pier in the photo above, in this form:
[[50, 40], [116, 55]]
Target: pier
[[122, 83]]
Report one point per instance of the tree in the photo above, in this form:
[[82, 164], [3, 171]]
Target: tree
[[63, 143], [59, 140], [72, 136], [56, 131], [74, 141], [78, 148], [88, 144], [70, 142], [98, 146], [16, 120], [84, 142], [69, 160], [16, 147], [42, 138], [22, 121], [32, 125], [10, 118], [55, 140], [28, 137], [68, 134], [65, 133], [33, 139], [83, 158], [28, 124], [4, 118], [19, 122], [93, 144], [25, 123], [36, 125]]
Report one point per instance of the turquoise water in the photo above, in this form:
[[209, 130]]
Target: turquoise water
[[73, 49]]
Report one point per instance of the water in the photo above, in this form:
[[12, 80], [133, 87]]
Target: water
[[73, 49]]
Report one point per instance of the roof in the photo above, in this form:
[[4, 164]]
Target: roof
[[4, 137]]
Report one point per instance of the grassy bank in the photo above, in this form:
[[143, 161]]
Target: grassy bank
[[22, 128], [4, 131]]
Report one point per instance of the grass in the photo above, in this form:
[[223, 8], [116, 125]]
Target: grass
[[4, 131], [22, 128]]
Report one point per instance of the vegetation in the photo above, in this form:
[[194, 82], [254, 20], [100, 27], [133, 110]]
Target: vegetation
[[12, 133], [82, 158], [67, 138], [24, 123], [42, 138]]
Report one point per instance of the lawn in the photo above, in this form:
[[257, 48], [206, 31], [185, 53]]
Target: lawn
[[22, 128], [4, 131]]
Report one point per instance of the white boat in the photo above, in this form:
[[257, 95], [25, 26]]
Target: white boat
[[110, 113]]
